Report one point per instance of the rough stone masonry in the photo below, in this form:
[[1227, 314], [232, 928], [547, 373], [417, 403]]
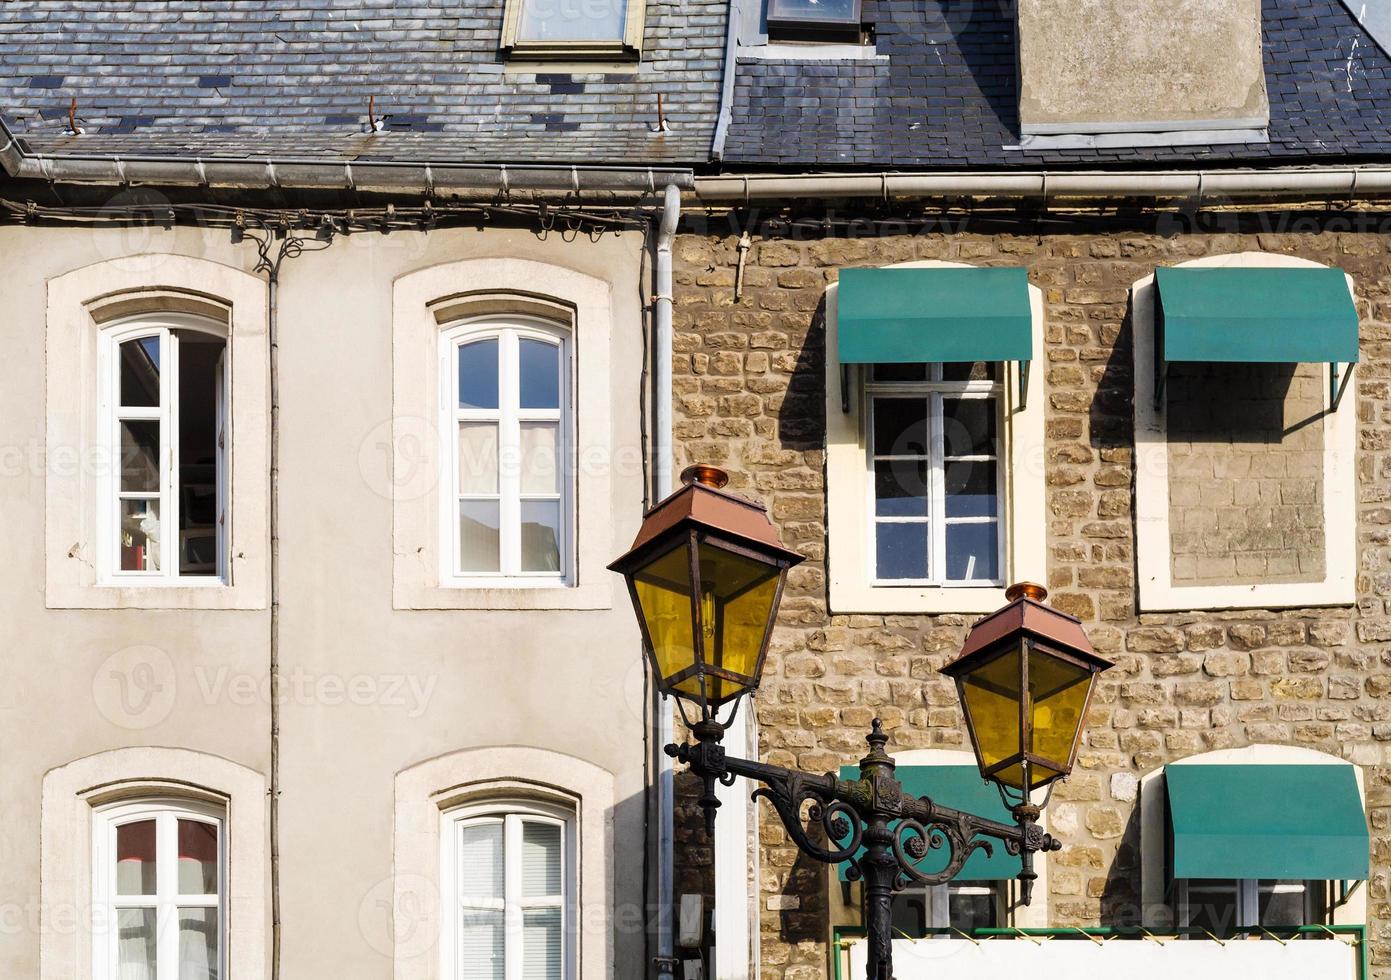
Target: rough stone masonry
[[749, 379]]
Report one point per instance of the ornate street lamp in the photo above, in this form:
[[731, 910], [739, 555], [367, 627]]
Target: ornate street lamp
[[706, 575]]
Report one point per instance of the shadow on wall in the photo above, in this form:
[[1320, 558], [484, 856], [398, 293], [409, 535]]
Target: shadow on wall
[[1120, 895], [802, 417]]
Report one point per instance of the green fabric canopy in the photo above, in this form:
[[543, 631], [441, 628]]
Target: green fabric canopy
[[914, 316], [1265, 315], [962, 788], [1267, 821]]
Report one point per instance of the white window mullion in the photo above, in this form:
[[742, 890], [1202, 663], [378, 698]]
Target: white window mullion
[[512, 890], [166, 887], [937, 539], [509, 450]]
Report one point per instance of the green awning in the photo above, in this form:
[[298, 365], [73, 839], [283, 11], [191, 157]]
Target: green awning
[[1284, 316], [914, 316], [962, 788], [1267, 821]]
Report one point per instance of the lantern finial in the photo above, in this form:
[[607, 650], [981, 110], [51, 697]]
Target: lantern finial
[[705, 475], [1026, 590]]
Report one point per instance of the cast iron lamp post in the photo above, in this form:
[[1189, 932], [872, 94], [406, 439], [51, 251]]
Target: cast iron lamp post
[[706, 574]]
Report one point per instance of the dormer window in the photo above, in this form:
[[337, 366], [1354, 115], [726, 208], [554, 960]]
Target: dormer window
[[573, 29]]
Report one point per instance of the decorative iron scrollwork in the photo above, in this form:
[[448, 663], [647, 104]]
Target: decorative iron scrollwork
[[840, 822], [913, 841]]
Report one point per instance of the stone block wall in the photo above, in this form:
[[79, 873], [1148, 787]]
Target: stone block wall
[[749, 376], [1245, 446]]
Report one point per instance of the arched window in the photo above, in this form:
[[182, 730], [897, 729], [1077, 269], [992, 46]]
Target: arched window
[[163, 424], [506, 429], [508, 880], [158, 873]]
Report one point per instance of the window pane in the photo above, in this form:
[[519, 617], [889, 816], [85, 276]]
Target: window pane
[[478, 374], [539, 384], [900, 372], [478, 457], [481, 946], [139, 535], [817, 11], [542, 945], [970, 489], [197, 858], [478, 535], [1284, 906], [972, 551], [1212, 907], [135, 858], [900, 488], [968, 426], [140, 373], [540, 460], [198, 944], [973, 909], [540, 535], [199, 378], [900, 426], [541, 860], [573, 20], [971, 371], [140, 455], [480, 860], [135, 944], [901, 551]]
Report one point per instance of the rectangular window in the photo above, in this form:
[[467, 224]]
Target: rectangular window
[[164, 420], [573, 28], [956, 907], [506, 425], [508, 882], [158, 873], [1221, 905], [933, 473]]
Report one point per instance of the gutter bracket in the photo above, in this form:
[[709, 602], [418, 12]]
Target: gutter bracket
[[1335, 387]]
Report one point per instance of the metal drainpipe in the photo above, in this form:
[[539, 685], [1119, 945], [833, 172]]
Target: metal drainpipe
[[661, 382], [272, 308]]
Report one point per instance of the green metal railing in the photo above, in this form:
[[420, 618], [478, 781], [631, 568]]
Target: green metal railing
[[1358, 933]]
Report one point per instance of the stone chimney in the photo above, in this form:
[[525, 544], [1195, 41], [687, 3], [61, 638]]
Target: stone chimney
[[1112, 66]]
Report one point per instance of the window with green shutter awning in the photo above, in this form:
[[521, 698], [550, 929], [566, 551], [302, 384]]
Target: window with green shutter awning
[[961, 788], [915, 316], [1254, 316], [1266, 821]]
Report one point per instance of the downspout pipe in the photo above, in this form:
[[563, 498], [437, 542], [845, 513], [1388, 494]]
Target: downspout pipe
[[661, 711]]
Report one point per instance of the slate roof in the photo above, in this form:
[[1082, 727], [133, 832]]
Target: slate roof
[[946, 97], [293, 78]]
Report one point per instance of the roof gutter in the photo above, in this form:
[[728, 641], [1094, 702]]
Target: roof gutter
[[430, 178], [1210, 186]]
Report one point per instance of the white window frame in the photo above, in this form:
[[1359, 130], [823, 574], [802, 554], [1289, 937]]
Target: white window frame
[[166, 812], [1153, 553], [933, 391], [110, 414], [508, 331], [512, 814], [1022, 467]]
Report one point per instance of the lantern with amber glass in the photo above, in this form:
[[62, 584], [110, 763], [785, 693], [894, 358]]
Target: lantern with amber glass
[[706, 574], [1025, 678]]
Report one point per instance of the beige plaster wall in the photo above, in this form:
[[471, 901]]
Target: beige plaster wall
[[1204, 55], [370, 691]]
